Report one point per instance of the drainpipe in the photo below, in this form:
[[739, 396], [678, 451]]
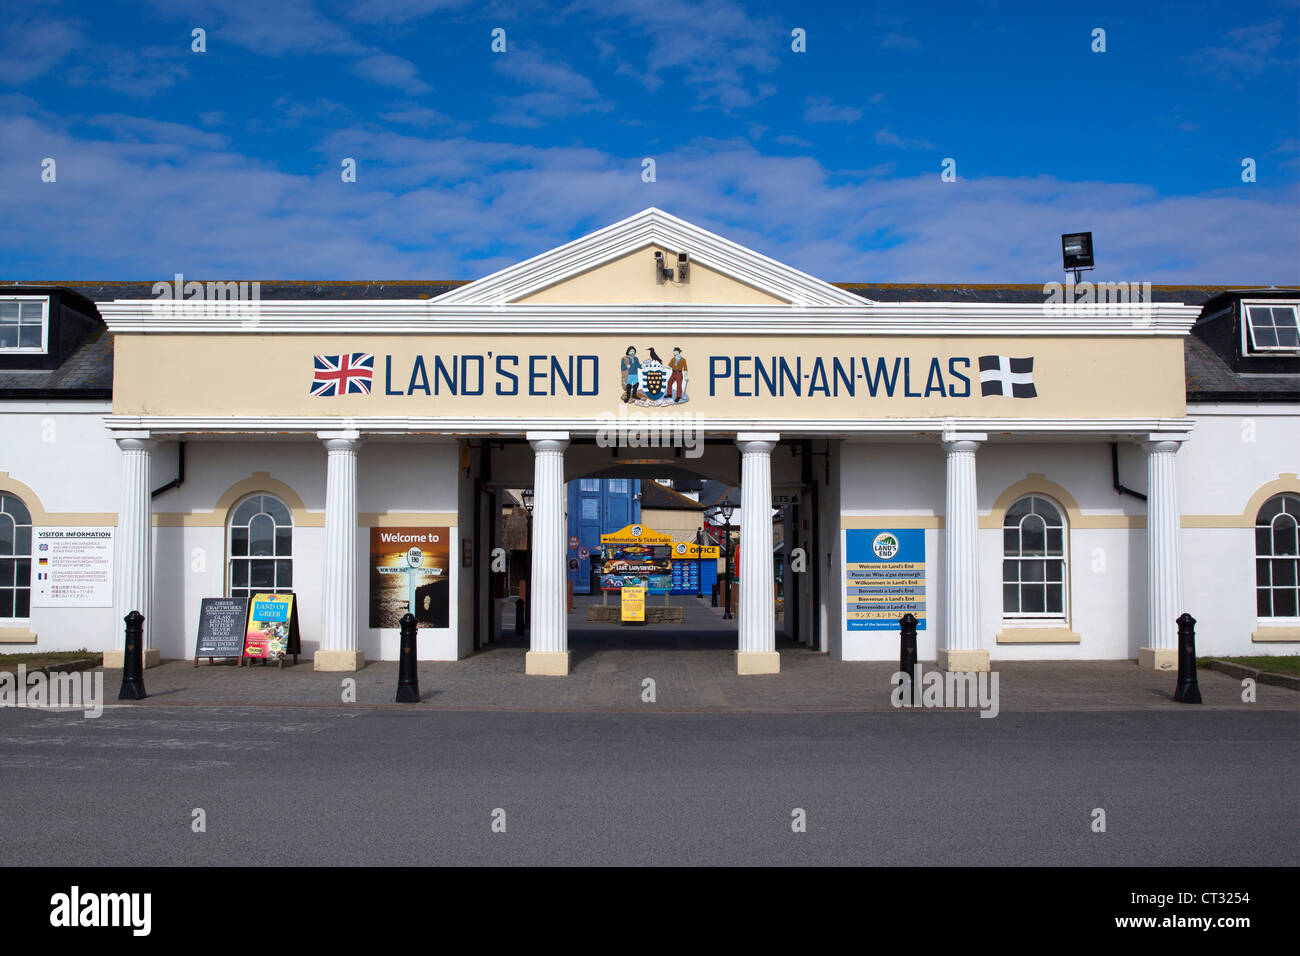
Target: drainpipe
[[1114, 469], [180, 472]]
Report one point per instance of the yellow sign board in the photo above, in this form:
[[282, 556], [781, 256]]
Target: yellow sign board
[[634, 604], [636, 534], [685, 549]]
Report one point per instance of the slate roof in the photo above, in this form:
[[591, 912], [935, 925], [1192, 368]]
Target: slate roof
[[86, 373], [1211, 379], [655, 495]]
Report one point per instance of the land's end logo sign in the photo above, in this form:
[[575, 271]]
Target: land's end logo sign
[[653, 382], [885, 546]]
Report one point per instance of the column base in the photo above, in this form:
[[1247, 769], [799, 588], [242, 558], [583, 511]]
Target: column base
[[758, 662], [547, 663], [963, 661], [339, 660], [113, 660], [1158, 658]]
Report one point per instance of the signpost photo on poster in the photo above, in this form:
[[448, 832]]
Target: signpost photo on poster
[[409, 571]]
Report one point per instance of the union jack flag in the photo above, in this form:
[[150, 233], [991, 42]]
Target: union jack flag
[[346, 374]]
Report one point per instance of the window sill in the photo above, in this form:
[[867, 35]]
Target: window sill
[[16, 635], [1269, 633], [1037, 635]]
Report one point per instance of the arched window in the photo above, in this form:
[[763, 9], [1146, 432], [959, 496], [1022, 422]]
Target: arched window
[[260, 547], [1034, 574], [1277, 593], [15, 559]]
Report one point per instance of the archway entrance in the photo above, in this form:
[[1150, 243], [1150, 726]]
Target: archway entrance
[[668, 527]]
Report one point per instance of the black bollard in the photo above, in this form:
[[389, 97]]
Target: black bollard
[[907, 651], [1188, 692], [713, 595], [519, 617], [133, 659], [408, 682]]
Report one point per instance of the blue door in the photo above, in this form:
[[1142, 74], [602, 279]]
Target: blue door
[[597, 506]]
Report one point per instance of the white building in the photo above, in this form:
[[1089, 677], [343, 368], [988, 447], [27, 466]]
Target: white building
[[974, 455]]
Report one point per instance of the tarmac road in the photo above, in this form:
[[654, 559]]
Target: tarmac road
[[302, 785]]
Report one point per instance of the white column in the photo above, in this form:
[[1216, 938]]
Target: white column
[[339, 650], [757, 653], [548, 648], [1164, 569], [962, 648], [133, 548]]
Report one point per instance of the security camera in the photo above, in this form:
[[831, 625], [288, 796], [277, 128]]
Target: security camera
[[683, 266], [662, 272]]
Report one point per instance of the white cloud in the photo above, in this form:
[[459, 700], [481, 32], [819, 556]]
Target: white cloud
[[458, 207], [887, 137], [820, 109]]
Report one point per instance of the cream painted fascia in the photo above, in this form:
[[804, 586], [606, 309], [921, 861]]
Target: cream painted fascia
[[1038, 635], [1285, 482], [406, 519], [53, 519], [855, 521], [1268, 634], [631, 279], [259, 482], [1039, 484], [650, 228]]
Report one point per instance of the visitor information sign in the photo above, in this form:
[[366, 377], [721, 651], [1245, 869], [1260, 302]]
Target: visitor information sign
[[884, 577], [72, 567]]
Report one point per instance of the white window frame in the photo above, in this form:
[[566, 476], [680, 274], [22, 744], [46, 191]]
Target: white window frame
[[45, 325], [1248, 346], [31, 568], [1272, 621], [1037, 619], [232, 558]]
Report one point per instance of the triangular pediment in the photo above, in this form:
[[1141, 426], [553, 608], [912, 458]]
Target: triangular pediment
[[615, 265]]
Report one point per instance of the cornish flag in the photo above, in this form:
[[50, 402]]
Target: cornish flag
[[1009, 377], [346, 374]]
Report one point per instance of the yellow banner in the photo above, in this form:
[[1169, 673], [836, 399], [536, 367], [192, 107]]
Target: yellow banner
[[633, 604], [636, 534]]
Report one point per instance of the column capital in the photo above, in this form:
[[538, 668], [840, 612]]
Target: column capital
[[135, 441], [548, 441], [1164, 441], [955, 441], [346, 439], [760, 443]]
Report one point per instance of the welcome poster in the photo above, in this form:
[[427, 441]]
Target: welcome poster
[[391, 552]]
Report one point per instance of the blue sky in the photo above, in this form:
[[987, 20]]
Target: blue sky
[[226, 164]]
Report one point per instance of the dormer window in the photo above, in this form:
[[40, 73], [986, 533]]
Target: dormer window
[[1271, 327], [24, 324]]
